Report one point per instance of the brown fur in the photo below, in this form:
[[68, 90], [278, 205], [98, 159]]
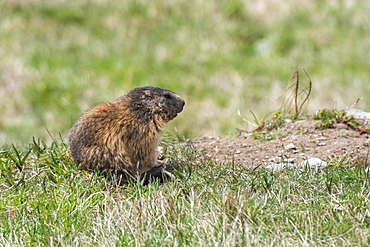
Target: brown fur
[[122, 136]]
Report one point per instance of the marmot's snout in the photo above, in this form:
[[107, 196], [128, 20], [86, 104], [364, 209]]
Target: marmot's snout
[[170, 104], [180, 105]]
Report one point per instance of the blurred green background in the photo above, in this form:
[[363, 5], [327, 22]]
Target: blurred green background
[[59, 58]]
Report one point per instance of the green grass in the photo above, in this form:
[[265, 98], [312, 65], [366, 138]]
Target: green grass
[[45, 200], [59, 58]]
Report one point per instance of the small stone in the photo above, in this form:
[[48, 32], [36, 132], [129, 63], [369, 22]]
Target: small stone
[[160, 151], [313, 163], [290, 146], [357, 113], [238, 151]]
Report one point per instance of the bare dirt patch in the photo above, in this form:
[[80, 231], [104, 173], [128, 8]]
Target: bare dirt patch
[[298, 142]]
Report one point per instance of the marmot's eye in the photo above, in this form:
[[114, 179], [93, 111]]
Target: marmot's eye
[[167, 96]]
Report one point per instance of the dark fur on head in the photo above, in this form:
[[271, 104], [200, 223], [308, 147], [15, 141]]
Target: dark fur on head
[[150, 103]]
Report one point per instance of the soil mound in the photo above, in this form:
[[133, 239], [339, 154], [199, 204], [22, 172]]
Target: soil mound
[[295, 142]]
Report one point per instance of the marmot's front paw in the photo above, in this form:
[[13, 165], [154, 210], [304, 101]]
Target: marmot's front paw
[[162, 173]]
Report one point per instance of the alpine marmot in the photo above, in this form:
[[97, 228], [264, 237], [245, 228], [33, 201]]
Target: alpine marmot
[[122, 137]]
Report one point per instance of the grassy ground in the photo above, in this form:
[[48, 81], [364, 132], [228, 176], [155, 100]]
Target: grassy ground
[[44, 200], [59, 58]]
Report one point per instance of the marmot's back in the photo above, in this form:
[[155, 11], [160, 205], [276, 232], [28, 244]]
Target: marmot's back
[[123, 136]]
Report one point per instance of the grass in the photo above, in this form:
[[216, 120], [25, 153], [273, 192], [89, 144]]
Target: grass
[[59, 58], [45, 200]]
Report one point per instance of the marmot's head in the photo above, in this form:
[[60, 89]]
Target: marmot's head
[[153, 103]]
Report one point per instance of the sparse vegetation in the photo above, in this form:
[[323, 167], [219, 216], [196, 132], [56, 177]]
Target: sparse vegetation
[[330, 117], [270, 135]]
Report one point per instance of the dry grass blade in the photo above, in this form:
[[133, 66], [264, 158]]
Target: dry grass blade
[[300, 91], [307, 91]]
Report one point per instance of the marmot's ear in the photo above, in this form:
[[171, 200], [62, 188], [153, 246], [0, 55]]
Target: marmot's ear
[[146, 96]]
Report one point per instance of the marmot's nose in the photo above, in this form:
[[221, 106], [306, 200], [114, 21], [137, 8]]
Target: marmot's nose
[[181, 105]]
